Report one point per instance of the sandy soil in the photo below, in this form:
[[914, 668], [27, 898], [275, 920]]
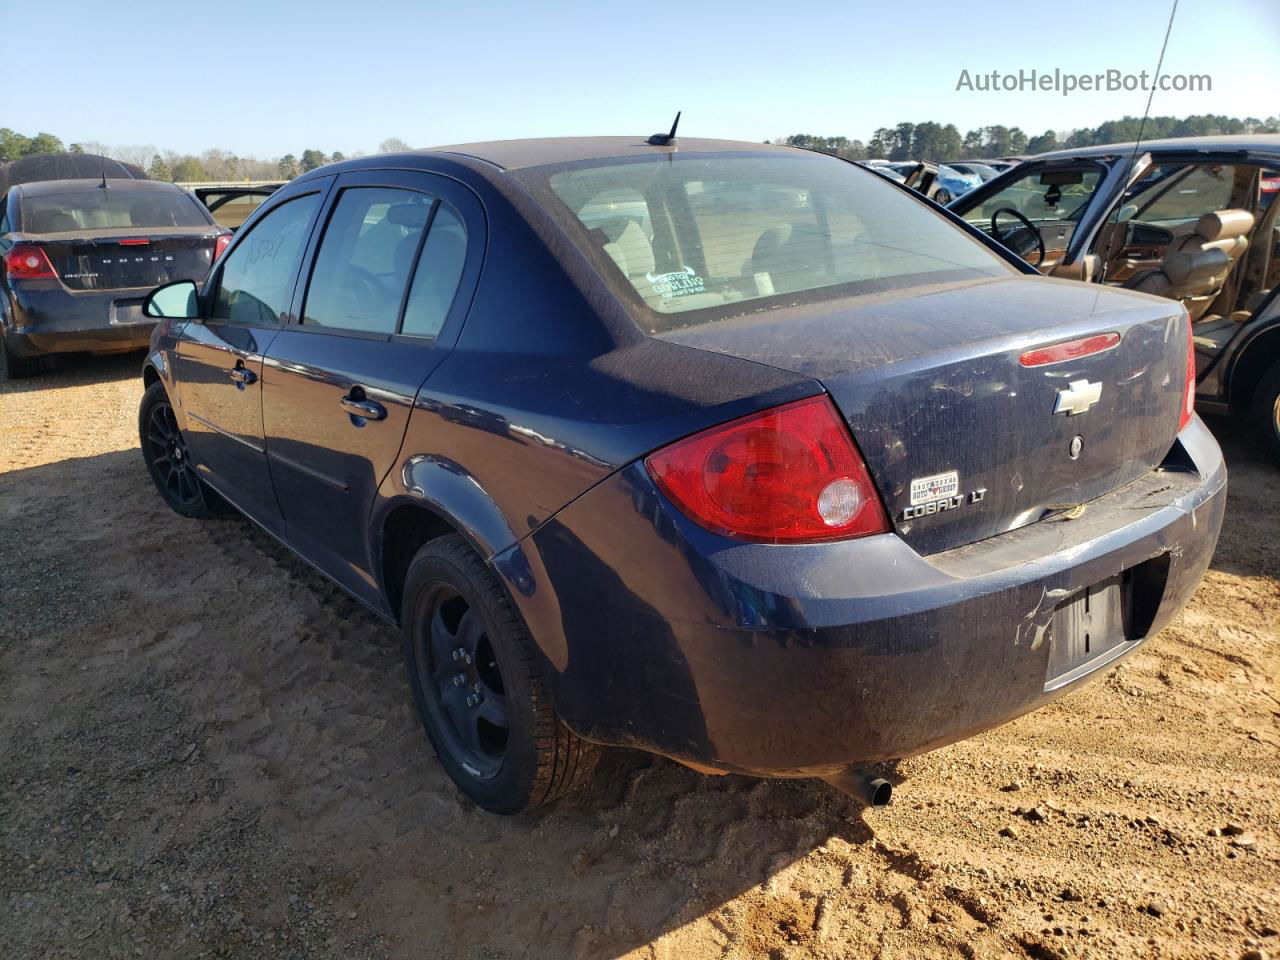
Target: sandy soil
[[206, 750]]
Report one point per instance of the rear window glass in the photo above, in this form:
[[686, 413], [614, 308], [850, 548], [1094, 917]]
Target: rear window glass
[[697, 235], [96, 208]]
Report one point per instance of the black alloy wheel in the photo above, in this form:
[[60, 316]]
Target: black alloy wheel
[[464, 691], [482, 686], [164, 450]]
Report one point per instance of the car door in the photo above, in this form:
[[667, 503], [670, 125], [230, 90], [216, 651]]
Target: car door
[[340, 381], [217, 361]]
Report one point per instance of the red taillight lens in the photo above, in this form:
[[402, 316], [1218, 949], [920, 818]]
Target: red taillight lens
[[27, 262], [789, 475], [134, 241], [1189, 396], [220, 244], [1071, 350]]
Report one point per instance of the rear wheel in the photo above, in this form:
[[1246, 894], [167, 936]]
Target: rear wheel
[[19, 368], [480, 687], [1266, 411], [165, 451]]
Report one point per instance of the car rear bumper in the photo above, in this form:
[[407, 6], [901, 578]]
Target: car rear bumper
[[806, 660], [45, 317]]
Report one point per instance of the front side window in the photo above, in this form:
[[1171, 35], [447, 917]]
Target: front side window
[[365, 259], [117, 206], [1053, 195], [706, 231], [257, 275]]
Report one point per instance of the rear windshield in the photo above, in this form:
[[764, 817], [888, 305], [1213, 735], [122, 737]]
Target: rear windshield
[[708, 236], [96, 208]]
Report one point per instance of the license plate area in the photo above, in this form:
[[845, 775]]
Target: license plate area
[[1096, 625]]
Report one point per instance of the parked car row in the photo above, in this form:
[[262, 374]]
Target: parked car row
[[730, 452]]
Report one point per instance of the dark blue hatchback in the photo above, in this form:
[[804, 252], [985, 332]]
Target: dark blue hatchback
[[734, 453]]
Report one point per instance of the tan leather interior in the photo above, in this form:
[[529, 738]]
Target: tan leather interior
[[1196, 266]]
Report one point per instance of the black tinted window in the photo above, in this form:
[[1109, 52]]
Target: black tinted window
[[365, 259], [255, 284], [436, 280], [96, 208]]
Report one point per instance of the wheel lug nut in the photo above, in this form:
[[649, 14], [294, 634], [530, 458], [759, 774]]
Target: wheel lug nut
[[477, 688], [459, 654], [466, 658], [471, 701], [459, 680]]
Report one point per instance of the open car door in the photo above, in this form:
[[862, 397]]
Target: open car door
[[232, 205], [1049, 211]]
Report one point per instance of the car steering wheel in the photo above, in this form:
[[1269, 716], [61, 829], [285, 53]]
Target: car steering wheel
[[1021, 250]]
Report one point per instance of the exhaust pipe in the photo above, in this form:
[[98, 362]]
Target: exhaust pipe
[[862, 786]]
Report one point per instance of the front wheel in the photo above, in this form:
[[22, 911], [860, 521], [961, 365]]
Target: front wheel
[[1266, 411], [164, 450], [480, 687]]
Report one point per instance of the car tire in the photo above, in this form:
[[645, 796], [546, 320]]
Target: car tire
[[164, 450], [1265, 413], [19, 368], [495, 730]]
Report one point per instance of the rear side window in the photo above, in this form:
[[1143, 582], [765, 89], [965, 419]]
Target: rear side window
[[115, 207], [365, 259], [1185, 193], [436, 281], [706, 232], [257, 275]]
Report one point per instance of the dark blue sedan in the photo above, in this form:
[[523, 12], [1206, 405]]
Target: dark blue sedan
[[734, 453]]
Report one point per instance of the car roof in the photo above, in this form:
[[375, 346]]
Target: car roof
[[1248, 143], [519, 154], [37, 187]]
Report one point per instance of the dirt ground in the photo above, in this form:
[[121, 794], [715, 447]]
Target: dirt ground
[[207, 750]]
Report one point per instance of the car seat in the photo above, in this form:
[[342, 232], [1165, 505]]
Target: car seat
[[1196, 266]]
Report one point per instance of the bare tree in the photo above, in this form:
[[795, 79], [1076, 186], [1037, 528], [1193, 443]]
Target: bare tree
[[393, 145], [137, 154]]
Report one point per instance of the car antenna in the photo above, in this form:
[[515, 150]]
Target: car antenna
[[664, 139], [1142, 126], [103, 165]]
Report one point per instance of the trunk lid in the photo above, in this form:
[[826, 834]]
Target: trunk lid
[[124, 258], [930, 383]]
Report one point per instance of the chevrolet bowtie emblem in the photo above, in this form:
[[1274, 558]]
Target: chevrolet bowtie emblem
[[1079, 396]]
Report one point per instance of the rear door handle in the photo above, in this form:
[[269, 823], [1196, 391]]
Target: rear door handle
[[368, 409], [241, 375]]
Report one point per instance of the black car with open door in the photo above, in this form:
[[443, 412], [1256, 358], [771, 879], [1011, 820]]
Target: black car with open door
[[1187, 219]]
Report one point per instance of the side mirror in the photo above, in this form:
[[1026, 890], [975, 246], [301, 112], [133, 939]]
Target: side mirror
[[174, 301], [1127, 212]]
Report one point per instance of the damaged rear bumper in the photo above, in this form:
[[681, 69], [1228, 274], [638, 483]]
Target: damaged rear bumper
[[805, 660]]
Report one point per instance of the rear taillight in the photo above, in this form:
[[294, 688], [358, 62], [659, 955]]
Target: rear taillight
[[27, 262], [220, 244], [789, 475], [1189, 392]]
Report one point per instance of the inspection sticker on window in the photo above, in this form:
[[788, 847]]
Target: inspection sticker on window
[[681, 283], [940, 486]]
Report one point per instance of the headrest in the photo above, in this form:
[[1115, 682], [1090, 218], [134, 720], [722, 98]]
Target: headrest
[[411, 215], [52, 221], [628, 246], [1190, 266], [1223, 224]]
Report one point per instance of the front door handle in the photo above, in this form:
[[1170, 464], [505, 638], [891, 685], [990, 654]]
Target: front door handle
[[360, 407], [242, 376]]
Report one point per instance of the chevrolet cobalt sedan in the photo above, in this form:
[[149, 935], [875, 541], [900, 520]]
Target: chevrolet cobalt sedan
[[733, 453]]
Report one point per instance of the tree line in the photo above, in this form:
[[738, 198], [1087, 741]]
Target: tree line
[[212, 164], [938, 142]]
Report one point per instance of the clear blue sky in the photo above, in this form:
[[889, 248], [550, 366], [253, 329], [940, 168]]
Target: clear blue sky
[[266, 78]]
